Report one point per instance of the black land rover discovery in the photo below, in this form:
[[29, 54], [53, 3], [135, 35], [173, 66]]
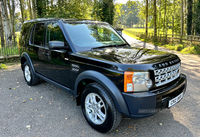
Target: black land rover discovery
[[108, 77]]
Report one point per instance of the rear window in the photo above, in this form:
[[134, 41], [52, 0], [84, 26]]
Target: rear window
[[25, 30]]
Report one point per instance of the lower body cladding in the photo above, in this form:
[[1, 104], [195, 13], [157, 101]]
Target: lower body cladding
[[145, 104]]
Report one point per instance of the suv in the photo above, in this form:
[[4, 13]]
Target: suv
[[108, 77]]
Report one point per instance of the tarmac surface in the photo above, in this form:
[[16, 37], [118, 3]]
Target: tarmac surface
[[46, 111]]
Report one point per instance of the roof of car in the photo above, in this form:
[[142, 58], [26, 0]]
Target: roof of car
[[85, 21]]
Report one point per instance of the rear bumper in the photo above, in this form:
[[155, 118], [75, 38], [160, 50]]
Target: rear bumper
[[148, 103]]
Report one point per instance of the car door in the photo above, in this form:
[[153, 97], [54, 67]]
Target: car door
[[36, 46], [55, 62]]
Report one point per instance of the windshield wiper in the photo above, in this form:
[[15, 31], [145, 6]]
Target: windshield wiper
[[107, 46]]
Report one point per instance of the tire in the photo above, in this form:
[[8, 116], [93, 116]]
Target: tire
[[29, 75], [99, 109]]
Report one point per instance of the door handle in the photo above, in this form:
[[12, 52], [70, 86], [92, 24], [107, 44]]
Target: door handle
[[46, 54]]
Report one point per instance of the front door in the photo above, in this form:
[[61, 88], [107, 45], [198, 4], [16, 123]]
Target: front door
[[55, 62]]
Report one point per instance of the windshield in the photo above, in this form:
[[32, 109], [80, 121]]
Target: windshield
[[88, 36]]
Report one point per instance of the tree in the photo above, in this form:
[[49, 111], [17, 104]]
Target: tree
[[30, 9], [10, 13], [104, 10], [146, 18], [1, 30], [6, 23], [131, 13], [182, 20], [155, 27], [165, 12], [197, 19], [189, 17], [33, 8], [13, 18], [39, 6], [21, 3]]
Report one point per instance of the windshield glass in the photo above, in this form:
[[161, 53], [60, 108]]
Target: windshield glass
[[87, 36]]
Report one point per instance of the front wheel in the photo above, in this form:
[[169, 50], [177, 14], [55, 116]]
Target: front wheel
[[99, 109]]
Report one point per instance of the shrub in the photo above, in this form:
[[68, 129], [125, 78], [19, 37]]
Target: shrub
[[3, 66]]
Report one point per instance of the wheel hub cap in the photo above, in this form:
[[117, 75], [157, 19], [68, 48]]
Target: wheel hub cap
[[95, 108], [27, 73]]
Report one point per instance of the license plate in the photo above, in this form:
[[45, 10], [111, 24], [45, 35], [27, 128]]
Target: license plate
[[173, 101]]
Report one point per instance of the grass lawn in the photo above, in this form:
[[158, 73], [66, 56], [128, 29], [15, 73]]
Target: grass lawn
[[183, 48], [150, 30]]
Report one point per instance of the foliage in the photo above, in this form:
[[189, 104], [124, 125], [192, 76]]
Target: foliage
[[194, 49], [126, 14], [65, 9], [103, 10], [177, 47], [197, 17], [3, 66]]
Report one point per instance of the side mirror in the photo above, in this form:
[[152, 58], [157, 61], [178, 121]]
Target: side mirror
[[56, 45]]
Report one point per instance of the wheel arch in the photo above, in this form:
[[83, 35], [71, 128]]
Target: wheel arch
[[90, 76], [25, 58]]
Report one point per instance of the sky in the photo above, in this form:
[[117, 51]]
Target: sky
[[121, 1]]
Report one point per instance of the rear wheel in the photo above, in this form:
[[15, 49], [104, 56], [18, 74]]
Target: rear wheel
[[29, 76], [99, 109]]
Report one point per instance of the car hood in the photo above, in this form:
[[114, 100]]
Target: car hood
[[129, 55]]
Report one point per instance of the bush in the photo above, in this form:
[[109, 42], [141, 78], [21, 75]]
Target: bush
[[194, 49], [3, 66]]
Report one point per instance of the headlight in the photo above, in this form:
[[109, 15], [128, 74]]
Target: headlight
[[136, 81]]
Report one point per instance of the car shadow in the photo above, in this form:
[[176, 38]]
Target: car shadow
[[160, 124]]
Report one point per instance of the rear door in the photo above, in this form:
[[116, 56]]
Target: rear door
[[36, 46]]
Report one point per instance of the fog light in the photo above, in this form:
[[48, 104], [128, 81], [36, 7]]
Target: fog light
[[148, 83]]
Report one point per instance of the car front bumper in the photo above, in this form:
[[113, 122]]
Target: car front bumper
[[145, 104]]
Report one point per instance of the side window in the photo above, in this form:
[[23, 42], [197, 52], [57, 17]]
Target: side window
[[54, 33], [25, 30], [39, 34], [32, 34]]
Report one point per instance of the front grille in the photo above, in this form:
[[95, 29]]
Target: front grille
[[166, 75]]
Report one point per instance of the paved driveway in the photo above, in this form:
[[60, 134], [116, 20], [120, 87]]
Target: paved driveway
[[45, 110]]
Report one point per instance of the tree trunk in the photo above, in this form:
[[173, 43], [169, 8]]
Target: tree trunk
[[159, 18], [197, 22], [39, 7], [173, 18], [155, 27], [22, 9], [10, 12], [1, 30], [193, 19], [164, 23], [146, 18], [29, 9], [6, 23], [52, 3], [182, 18], [189, 17], [13, 20], [33, 8]]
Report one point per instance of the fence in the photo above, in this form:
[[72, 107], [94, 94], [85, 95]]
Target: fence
[[172, 37], [12, 49]]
